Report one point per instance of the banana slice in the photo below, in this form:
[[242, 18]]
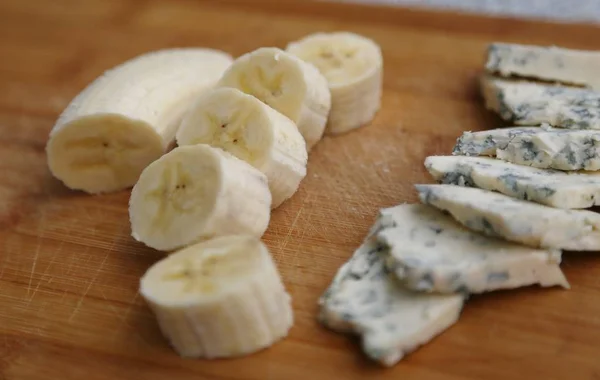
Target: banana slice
[[286, 83], [220, 298], [198, 192], [252, 131], [353, 66], [127, 117]]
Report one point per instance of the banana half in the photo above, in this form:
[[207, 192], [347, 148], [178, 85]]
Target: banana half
[[353, 66], [219, 298], [127, 117], [252, 131], [198, 192], [287, 84]]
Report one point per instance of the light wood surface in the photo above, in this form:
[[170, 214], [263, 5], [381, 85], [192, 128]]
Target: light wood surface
[[69, 270]]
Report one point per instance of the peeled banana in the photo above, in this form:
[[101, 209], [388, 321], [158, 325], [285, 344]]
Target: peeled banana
[[198, 192], [127, 117], [219, 298], [252, 131], [287, 84], [353, 66]]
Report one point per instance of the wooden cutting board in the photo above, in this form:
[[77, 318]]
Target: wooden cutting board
[[69, 270]]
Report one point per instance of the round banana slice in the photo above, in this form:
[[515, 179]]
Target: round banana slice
[[286, 83], [198, 192], [252, 131], [353, 66], [127, 117], [219, 298]]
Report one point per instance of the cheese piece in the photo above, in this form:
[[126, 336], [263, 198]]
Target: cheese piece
[[365, 299], [548, 63], [541, 147], [485, 143], [516, 220], [554, 149], [431, 252], [525, 103], [566, 190]]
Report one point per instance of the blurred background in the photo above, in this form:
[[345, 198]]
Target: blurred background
[[587, 11]]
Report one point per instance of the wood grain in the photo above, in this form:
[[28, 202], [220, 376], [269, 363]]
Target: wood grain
[[69, 270]]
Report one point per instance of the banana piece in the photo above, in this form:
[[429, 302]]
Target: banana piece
[[195, 193], [127, 117], [286, 83], [220, 298], [353, 66], [252, 131]]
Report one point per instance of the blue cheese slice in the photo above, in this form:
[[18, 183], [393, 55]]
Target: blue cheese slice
[[525, 103], [431, 252], [367, 300], [541, 147], [554, 149], [548, 63], [485, 143], [566, 190], [516, 220]]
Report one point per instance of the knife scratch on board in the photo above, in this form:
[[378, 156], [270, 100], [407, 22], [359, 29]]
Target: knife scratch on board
[[293, 225], [43, 276], [115, 311], [87, 290], [35, 260]]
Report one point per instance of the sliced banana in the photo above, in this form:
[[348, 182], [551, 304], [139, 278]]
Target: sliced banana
[[127, 117], [198, 192], [252, 131], [219, 298], [353, 66], [286, 83]]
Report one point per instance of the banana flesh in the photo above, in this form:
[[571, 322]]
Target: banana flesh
[[221, 298], [127, 117], [353, 67], [195, 193], [287, 84], [243, 146], [252, 131]]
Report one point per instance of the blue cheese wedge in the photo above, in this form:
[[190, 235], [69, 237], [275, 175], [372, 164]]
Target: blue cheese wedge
[[566, 190], [485, 143], [431, 252], [525, 103], [367, 300], [516, 220], [548, 63], [541, 147]]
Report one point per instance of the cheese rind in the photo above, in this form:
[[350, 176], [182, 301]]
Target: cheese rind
[[366, 299], [485, 143], [566, 190], [541, 147], [548, 63], [431, 252], [525, 103], [529, 223]]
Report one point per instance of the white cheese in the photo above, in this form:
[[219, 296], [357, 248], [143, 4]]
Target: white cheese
[[548, 63], [567, 190], [525, 103], [431, 252], [529, 223], [485, 143], [541, 147], [554, 149], [366, 299]]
